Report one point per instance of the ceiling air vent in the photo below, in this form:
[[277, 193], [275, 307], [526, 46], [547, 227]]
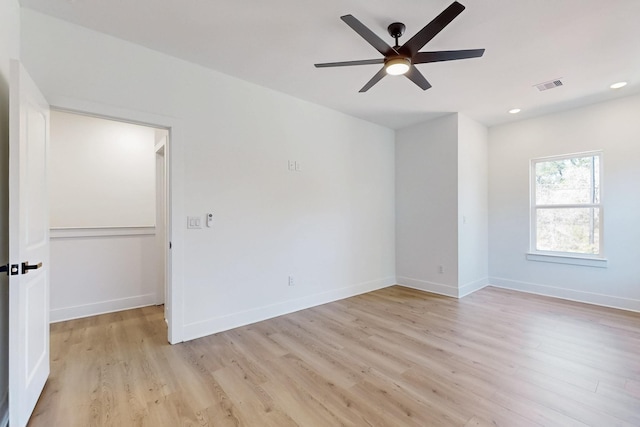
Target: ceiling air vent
[[552, 84]]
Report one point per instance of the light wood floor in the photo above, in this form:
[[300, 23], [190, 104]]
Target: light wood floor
[[394, 357]]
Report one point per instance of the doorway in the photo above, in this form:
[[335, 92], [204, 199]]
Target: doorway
[[109, 214]]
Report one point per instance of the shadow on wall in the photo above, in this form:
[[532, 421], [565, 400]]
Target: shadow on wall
[[4, 243]]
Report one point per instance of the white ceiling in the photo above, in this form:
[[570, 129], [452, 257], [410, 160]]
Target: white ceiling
[[589, 44]]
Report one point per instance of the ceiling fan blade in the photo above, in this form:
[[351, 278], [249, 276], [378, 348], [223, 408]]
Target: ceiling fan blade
[[375, 41], [416, 76], [348, 63], [446, 55], [375, 79], [422, 37]]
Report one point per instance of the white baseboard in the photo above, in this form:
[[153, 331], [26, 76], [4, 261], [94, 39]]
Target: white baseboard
[[440, 289], [568, 294], [218, 324], [471, 287], [76, 312], [423, 285]]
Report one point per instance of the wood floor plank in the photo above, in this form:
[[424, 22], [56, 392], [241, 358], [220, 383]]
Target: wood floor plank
[[393, 357]]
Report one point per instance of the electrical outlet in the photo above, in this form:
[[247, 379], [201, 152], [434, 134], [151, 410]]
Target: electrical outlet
[[291, 281]]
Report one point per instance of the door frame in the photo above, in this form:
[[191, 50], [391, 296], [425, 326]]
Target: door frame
[[174, 176], [161, 238]]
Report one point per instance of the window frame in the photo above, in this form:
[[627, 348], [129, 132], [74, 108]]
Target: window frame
[[575, 258]]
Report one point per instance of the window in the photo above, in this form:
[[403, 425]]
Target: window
[[566, 205]]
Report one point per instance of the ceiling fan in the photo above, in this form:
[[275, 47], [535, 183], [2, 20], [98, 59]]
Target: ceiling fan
[[401, 60]]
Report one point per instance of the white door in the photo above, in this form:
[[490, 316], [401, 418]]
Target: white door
[[28, 246]]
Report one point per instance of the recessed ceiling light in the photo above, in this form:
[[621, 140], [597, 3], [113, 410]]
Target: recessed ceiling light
[[618, 85], [514, 111]]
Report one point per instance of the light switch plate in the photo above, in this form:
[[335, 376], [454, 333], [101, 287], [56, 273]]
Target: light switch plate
[[194, 222]]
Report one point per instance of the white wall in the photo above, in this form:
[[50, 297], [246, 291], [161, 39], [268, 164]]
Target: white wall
[[473, 205], [427, 205], [612, 127], [93, 272], [441, 205], [102, 172], [103, 248], [330, 225], [9, 48]]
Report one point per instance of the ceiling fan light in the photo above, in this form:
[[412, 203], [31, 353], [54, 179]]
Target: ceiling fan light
[[397, 66]]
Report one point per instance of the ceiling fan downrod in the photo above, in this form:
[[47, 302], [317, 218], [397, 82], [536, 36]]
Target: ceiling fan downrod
[[396, 30]]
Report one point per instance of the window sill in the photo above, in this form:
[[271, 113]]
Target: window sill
[[567, 259]]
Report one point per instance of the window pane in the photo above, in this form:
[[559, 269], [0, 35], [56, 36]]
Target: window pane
[[568, 181], [568, 230]]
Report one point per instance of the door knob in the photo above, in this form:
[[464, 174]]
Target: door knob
[[26, 267]]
